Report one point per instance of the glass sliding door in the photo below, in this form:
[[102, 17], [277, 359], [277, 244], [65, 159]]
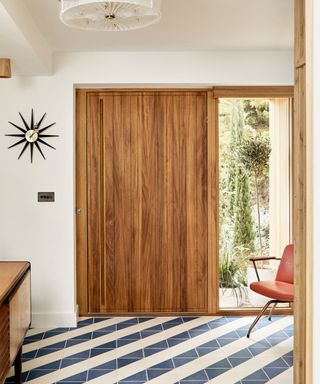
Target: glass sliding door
[[254, 208]]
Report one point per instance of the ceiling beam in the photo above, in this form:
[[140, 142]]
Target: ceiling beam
[[19, 22]]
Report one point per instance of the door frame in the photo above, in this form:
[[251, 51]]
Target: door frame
[[259, 92], [303, 206], [213, 95], [81, 194]]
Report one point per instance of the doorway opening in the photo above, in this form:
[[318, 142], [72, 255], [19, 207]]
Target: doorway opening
[[254, 192]]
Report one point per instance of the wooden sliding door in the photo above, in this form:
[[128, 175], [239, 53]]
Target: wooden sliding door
[[143, 238]]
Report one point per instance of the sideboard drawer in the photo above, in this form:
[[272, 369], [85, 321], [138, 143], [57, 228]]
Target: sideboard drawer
[[4, 341], [20, 316]]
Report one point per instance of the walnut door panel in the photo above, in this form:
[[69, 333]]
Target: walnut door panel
[[147, 201]]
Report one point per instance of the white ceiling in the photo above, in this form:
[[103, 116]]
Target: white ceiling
[[185, 25], [30, 30]]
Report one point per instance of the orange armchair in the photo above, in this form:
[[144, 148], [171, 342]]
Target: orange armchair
[[279, 290]]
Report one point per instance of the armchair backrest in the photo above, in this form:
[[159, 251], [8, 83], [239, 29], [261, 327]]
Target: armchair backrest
[[286, 267]]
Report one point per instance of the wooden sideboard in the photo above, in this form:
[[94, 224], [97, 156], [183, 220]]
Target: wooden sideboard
[[15, 315]]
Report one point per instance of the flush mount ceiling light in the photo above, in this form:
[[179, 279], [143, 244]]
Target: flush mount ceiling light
[[120, 15]]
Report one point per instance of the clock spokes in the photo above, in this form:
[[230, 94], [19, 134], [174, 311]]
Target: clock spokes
[[31, 151], [41, 120], [32, 135], [49, 135], [24, 122], [16, 126], [32, 120], [39, 149], [17, 143], [47, 127], [43, 142], [23, 149]]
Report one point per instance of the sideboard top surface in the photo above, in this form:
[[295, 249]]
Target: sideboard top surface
[[10, 274]]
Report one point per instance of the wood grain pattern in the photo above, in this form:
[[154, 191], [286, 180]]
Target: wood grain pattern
[[303, 352], [299, 222], [109, 209], [253, 91], [213, 203], [300, 33], [15, 313], [122, 203], [311, 169], [20, 315], [5, 68], [4, 344], [200, 257], [81, 200], [95, 189], [147, 201], [10, 274]]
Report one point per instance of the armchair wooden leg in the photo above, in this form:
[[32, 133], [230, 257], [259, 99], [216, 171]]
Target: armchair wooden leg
[[260, 315], [271, 310]]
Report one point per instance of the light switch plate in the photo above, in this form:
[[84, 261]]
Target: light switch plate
[[45, 197]]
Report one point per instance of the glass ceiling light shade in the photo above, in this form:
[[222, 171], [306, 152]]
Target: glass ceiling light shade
[[120, 15]]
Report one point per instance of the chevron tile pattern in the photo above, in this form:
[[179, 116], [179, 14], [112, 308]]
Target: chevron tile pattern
[[162, 350]]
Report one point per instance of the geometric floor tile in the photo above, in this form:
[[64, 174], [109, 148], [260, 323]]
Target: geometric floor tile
[[163, 350]]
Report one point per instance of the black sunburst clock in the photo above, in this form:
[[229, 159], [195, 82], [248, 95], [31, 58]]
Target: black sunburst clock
[[32, 135]]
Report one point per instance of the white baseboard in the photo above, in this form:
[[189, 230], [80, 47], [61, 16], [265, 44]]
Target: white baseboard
[[53, 320]]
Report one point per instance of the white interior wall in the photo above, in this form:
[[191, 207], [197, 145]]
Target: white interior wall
[[44, 232]]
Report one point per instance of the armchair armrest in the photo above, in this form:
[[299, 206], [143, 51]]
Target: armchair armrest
[[254, 259]]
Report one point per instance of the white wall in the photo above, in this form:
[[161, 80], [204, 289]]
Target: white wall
[[43, 232]]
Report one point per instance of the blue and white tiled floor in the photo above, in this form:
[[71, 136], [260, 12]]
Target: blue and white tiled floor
[[165, 350]]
